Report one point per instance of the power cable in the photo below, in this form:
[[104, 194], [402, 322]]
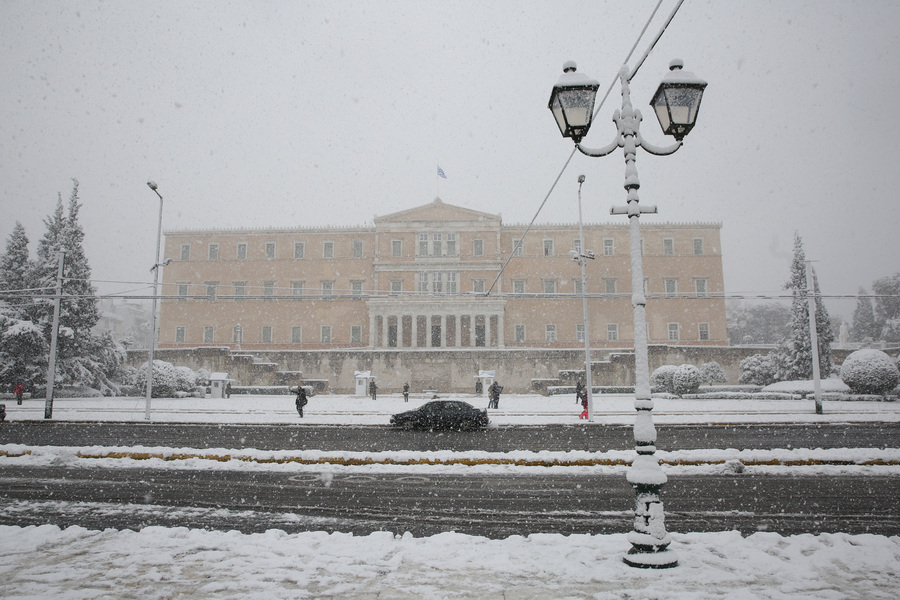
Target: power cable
[[521, 240]]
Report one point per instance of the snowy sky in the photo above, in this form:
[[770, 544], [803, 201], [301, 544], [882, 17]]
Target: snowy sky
[[318, 113]]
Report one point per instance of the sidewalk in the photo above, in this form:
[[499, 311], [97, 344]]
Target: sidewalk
[[515, 409]]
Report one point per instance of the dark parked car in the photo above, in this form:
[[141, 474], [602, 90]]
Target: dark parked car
[[442, 414]]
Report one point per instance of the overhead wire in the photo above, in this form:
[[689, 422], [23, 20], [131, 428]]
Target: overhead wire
[[612, 84]]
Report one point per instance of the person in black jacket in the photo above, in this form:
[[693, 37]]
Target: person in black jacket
[[301, 400]]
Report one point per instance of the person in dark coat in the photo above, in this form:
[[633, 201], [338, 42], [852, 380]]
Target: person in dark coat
[[494, 395], [373, 389], [301, 400], [579, 392], [406, 392]]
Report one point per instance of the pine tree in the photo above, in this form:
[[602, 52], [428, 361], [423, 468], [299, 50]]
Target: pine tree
[[14, 267], [82, 356], [795, 353], [864, 325]]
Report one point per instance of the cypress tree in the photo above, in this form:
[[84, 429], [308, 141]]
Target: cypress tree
[[795, 353], [864, 325]]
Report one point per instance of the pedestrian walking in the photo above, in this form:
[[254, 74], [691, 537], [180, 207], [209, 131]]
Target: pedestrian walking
[[406, 392], [584, 404], [494, 395], [373, 389], [19, 390], [301, 400], [579, 391]]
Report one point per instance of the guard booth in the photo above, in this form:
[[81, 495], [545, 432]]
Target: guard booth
[[217, 383], [362, 382], [483, 381]]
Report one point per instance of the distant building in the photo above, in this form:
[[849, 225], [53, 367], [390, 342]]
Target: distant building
[[427, 277]]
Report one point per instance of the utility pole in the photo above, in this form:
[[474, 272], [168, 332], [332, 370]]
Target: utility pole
[[813, 337], [54, 338]]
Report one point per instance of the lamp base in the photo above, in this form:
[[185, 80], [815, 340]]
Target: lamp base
[[663, 559]]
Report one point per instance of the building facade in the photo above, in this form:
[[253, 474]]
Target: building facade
[[437, 276]]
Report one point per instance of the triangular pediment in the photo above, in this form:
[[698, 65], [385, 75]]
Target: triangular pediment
[[437, 212]]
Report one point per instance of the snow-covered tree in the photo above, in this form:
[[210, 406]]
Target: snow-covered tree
[[164, 379], [14, 268], [870, 371], [662, 378], [763, 323], [759, 369], [82, 356], [23, 349], [686, 380], [712, 372], [864, 324], [795, 360], [887, 307]]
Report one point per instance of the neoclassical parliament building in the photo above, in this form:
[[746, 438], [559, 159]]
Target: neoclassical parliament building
[[437, 276]]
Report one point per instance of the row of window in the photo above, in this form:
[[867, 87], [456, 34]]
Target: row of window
[[434, 244], [674, 333], [266, 337], [436, 282]]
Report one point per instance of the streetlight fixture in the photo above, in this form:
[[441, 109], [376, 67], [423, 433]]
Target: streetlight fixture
[[676, 103], [155, 268]]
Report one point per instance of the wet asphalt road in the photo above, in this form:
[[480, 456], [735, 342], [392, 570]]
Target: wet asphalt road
[[491, 505], [499, 439]]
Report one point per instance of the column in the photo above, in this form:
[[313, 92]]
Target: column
[[500, 341], [444, 331], [372, 330], [400, 331], [458, 333], [415, 340]]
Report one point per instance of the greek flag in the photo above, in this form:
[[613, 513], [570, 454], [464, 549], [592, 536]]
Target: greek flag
[[441, 173]]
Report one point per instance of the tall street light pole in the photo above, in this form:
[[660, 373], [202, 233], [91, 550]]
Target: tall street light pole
[[155, 270], [676, 103], [581, 256]]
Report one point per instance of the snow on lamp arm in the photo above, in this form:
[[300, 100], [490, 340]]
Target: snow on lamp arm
[[676, 103]]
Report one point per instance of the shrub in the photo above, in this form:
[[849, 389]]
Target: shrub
[[686, 380], [712, 372], [870, 371], [185, 379], [163, 379], [662, 378], [759, 369]]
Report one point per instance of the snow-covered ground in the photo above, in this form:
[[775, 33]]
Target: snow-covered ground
[[46, 562]]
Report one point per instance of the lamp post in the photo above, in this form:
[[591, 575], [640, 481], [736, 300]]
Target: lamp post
[[676, 103], [155, 269], [581, 256]]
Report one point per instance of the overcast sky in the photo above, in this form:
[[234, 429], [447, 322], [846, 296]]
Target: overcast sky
[[328, 113]]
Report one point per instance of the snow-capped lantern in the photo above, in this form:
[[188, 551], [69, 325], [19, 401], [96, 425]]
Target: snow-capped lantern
[[677, 100], [572, 102]]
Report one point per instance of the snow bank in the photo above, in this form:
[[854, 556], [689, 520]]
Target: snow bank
[[158, 563]]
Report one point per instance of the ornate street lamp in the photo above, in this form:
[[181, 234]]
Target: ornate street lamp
[[676, 102]]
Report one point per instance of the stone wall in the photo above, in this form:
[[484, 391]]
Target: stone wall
[[448, 371]]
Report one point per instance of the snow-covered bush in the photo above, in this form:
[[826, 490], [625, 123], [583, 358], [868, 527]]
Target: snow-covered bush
[[203, 377], [164, 380], [870, 371], [712, 372], [185, 379], [126, 375], [759, 369], [686, 380], [662, 378]]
